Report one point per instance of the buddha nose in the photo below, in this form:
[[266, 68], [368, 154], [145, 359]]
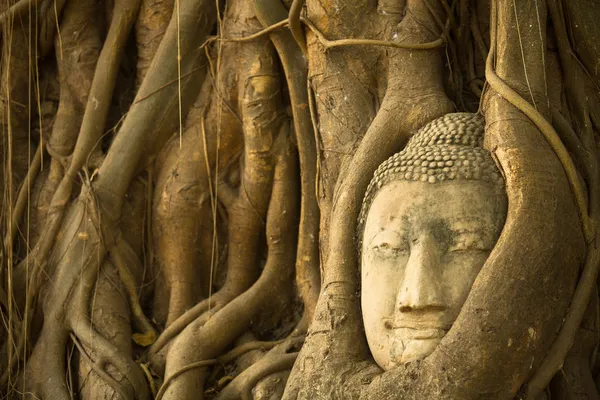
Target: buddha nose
[[421, 288]]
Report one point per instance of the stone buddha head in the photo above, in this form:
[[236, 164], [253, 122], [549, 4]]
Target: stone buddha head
[[429, 220]]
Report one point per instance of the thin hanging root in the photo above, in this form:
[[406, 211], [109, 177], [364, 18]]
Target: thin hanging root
[[242, 385], [23, 196], [149, 378], [254, 36], [329, 44], [211, 338], [46, 11], [296, 72], [98, 369], [123, 256], [19, 8]]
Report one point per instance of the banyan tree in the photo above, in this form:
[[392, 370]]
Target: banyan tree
[[305, 199]]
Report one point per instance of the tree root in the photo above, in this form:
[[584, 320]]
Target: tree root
[[75, 265], [103, 85], [99, 369], [123, 256], [109, 354], [77, 50], [329, 44], [259, 106], [258, 345], [23, 196], [247, 210], [19, 8], [267, 30], [181, 218], [209, 338], [295, 68], [92, 127], [242, 385], [249, 368], [80, 239], [180, 323], [296, 26], [46, 11], [151, 122], [179, 372], [150, 28]]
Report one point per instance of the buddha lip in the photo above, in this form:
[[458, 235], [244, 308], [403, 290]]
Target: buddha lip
[[413, 333], [419, 326]]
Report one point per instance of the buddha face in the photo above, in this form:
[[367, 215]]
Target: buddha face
[[423, 246]]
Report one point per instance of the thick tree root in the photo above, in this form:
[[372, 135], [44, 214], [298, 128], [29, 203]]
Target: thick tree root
[[75, 269], [295, 67], [77, 51], [258, 100], [90, 132], [150, 28], [210, 338], [109, 315], [267, 373], [242, 385]]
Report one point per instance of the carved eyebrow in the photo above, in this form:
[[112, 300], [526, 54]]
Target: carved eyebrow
[[473, 220], [470, 224]]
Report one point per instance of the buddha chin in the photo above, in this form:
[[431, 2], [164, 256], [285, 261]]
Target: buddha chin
[[413, 344], [406, 342]]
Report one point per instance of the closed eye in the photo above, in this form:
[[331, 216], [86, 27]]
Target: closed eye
[[387, 249], [469, 241]]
